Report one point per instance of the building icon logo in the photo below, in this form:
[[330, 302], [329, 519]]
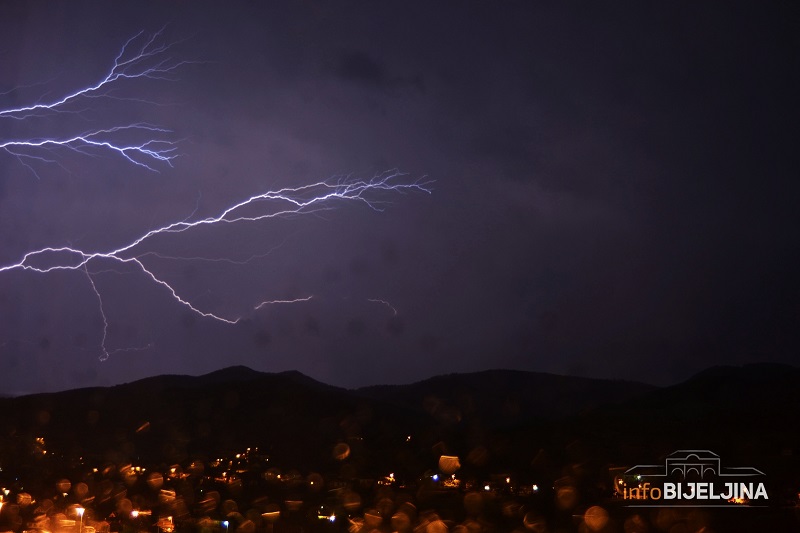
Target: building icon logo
[[692, 477]]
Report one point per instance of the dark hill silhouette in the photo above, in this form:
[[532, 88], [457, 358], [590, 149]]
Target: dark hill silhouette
[[536, 427], [749, 403], [170, 418], [509, 397], [289, 416], [746, 414], [508, 416]]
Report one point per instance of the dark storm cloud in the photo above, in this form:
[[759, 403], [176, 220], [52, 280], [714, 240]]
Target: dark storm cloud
[[360, 67]]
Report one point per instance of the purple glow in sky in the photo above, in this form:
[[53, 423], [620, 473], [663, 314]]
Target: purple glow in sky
[[614, 189]]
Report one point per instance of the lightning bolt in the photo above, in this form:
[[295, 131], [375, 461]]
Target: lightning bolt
[[284, 202], [143, 56], [271, 302], [149, 146], [383, 302]]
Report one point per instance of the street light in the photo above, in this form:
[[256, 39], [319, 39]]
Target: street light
[[80, 511]]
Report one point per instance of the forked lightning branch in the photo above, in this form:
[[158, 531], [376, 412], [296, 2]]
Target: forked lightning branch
[[147, 57], [271, 204], [143, 57]]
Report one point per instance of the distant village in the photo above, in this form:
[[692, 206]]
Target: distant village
[[248, 492], [236, 452]]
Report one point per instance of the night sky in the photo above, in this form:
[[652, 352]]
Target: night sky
[[615, 189]]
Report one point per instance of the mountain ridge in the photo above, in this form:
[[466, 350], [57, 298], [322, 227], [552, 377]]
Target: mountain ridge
[[497, 418]]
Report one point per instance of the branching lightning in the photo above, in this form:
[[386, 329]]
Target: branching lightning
[[149, 146], [141, 57], [280, 203]]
